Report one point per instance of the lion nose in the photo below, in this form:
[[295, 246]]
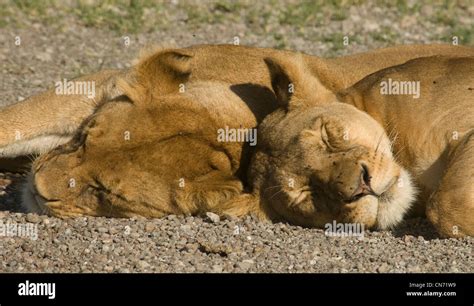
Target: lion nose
[[364, 185]]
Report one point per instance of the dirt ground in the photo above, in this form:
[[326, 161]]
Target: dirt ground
[[44, 42]]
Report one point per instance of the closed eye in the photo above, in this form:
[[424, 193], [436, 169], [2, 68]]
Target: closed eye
[[337, 141], [325, 138]]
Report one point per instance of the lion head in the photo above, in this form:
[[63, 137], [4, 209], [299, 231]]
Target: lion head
[[145, 152], [320, 161]]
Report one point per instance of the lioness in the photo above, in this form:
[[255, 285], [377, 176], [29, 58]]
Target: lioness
[[128, 160], [317, 161], [145, 155]]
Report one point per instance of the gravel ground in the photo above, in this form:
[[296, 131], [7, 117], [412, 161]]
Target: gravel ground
[[191, 244], [50, 51]]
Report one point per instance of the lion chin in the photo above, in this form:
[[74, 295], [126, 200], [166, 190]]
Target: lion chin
[[395, 202]]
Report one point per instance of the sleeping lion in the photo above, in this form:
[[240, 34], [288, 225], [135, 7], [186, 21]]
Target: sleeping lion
[[146, 143], [319, 161]]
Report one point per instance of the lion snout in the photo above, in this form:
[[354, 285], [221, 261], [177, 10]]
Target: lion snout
[[351, 181]]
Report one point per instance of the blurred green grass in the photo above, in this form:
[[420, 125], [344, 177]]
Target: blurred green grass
[[135, 16]]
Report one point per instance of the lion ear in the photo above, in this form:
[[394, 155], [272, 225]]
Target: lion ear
[[281, 83], [294, 85], [164, 71]]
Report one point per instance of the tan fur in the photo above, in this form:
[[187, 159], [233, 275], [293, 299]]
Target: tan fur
[[432, 136], [39, 123], [241, 68], [172, 162], [172, 134], [311, 157]]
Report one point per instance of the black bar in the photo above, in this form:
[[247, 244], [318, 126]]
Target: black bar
[[377, 289]]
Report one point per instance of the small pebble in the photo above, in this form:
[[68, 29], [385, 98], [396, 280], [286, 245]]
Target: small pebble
[[213, 217], [33, 218]]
